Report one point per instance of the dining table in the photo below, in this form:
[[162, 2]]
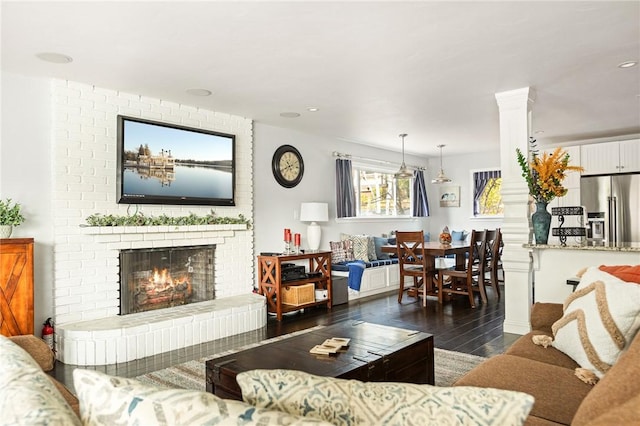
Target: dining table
[[433, 251]]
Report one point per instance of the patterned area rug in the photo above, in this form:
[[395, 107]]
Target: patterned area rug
[[449, 366]]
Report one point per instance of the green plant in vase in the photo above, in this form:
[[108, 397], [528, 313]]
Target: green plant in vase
[[10, 216], [544, 175]]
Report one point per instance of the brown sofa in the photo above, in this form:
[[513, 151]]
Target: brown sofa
[[548, 375], [45, 358]]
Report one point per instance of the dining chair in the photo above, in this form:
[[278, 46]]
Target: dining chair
[[412, 262], [463, 281], [493, 242]]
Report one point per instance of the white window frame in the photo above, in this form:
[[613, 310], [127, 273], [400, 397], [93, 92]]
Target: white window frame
[[356, 167], [472, 186]]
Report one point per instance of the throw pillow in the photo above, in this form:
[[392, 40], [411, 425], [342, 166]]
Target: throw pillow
[[351, 402], [360, 246], [601, 317], [459, 235], [27, 395], [628, 273], [341, 251], [378, 243], [107, 400]]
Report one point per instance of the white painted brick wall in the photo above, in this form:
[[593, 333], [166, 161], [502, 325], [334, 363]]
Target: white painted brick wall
[[86, 263]]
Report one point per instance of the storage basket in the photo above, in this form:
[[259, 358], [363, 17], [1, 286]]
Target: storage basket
[[299, 294]]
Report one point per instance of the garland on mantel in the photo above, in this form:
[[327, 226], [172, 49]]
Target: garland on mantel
[[140, 219]]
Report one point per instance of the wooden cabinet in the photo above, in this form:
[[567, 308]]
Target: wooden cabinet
[[270, 282], [611, 157], [16, 286]]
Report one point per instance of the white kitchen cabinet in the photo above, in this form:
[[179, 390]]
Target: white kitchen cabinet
[[610, 157]]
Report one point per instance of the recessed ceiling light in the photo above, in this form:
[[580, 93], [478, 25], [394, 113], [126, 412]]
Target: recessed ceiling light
[[313, 109], [199, 92], [56, 58], [538, 132], [628, 64], [289, 114]]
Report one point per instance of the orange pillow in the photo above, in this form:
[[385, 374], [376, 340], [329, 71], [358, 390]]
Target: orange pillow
[[626, 273]]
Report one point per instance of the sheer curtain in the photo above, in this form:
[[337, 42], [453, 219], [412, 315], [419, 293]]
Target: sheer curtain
[[420, 202], [345, 192], [480, 180]]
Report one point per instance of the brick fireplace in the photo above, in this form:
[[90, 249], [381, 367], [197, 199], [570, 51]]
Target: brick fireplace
[[86, 293]]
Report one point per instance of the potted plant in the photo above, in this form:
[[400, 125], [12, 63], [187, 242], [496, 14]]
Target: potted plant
[[10, 216]]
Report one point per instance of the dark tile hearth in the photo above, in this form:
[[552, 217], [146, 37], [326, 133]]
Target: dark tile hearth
[[455, 327]]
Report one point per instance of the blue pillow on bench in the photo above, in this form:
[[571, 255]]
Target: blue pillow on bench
[[379, 242]]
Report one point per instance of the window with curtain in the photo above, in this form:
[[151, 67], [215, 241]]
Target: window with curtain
[[378, 193], [487, 196]]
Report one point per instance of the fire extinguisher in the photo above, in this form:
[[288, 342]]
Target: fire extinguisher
[[47, 332]]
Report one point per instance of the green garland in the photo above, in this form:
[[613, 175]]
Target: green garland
[[140, 219]]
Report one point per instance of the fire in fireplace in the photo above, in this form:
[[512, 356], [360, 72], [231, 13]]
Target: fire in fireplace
[[165, 277]]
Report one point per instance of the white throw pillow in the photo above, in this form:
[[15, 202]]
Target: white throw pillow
[[601, 317], [351, 402], [108, 400], [27, 395]]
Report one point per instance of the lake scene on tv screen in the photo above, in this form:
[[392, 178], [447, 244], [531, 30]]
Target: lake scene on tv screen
[[169, 162]]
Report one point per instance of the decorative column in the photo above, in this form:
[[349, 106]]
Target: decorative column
[[514, 113]]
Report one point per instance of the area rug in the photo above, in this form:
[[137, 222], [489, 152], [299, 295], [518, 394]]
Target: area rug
[[449, 366]]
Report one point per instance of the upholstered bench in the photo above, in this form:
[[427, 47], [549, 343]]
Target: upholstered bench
[[379, 276]]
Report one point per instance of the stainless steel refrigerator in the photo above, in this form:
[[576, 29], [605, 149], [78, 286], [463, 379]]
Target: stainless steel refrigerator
[[613, 207]]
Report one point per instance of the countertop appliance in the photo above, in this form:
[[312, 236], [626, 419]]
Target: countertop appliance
[[612, 203]]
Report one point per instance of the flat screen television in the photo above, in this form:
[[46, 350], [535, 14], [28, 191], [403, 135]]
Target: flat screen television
[[160, 163]]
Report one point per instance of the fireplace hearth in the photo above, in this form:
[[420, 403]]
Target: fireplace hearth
[[161, 278]]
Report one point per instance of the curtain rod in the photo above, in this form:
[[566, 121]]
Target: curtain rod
[[373, 160]]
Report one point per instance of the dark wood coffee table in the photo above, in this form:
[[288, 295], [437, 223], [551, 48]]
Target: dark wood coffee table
[[375, 353]]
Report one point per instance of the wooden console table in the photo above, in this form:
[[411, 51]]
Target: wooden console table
[[16, 286], [270, 282]]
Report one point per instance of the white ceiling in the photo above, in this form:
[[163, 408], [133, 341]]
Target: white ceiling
[[374, 69]]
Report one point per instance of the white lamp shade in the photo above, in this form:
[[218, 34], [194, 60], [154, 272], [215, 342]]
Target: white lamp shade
[[314, 212]]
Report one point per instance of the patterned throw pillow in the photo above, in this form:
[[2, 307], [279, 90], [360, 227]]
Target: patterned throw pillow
[[351, 402], [341, 251], [360, 246], [27, 395], [107, 400], [601, 318]]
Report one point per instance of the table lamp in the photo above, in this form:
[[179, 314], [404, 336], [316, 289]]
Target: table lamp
[[314, 212]]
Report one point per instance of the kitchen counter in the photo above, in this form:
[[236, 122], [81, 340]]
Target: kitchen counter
[[627, 247], [554, 264]]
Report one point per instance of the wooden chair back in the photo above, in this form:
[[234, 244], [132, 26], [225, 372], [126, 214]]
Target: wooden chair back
[[410, 247], [412, 262]]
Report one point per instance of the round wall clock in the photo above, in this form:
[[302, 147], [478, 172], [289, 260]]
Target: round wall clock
[[288, 166]]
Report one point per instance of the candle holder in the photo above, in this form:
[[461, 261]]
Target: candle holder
[[287, 247], [296, 243]]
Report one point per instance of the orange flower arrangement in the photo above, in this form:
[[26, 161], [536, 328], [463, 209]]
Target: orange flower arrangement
[[544, 175]]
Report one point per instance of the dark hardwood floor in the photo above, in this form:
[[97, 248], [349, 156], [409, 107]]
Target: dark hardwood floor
[[455, 327]]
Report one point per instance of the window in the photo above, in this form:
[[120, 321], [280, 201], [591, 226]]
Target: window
[[487, 195], [380, 194]]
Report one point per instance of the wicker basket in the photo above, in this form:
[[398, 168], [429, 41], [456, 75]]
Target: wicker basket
[[299, 294]]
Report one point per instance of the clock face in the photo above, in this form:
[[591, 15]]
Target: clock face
[[288, 166]]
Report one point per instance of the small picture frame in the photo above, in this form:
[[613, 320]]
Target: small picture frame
[[450, 196]]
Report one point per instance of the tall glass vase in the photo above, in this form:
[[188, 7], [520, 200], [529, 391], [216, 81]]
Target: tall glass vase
[[541, 220]]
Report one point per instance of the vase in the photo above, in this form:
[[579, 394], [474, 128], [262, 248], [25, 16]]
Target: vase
[[5, 231], [541, 220]]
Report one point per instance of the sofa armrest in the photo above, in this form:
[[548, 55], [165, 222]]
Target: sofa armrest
[[543, 315], [38, 349]]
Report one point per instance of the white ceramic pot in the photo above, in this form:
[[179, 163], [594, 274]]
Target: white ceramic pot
[[5, 231]]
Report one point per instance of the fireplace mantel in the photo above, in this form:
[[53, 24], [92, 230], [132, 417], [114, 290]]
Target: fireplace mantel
[[160, 229]]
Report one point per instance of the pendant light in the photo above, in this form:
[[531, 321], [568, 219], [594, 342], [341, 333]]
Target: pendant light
[[441, 178], [404, 172]]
